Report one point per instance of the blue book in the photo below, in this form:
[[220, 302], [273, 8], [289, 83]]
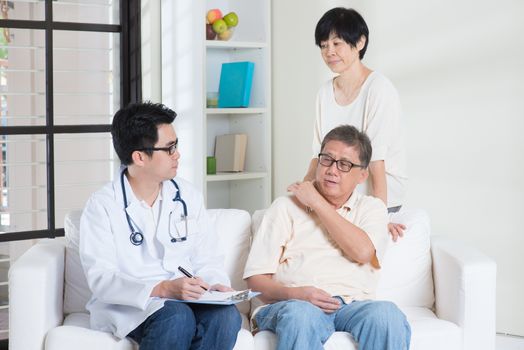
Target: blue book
[[234, 89]]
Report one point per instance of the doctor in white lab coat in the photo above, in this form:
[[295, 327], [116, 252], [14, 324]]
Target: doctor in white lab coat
[[131, 261]]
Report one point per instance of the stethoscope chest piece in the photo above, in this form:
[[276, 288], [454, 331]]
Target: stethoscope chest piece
[[136, 238]]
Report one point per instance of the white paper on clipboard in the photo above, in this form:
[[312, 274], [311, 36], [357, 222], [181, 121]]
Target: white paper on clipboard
[[222, 298]]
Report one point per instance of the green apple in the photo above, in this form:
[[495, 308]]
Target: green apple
[[219, 26], [231, 19]]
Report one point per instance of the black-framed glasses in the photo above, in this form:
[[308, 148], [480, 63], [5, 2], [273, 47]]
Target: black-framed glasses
[[342, 164], [170, 149]]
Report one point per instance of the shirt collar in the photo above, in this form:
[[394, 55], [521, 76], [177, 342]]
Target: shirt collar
[[351, 202], [131, 198]]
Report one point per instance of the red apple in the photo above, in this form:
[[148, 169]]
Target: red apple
[[210, 34], [219, 26], [231, 19], [213, 15]]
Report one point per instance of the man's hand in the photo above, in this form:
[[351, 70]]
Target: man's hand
[[396, 230], [317, 297], [183, 288], [220, 288], [306, 193]]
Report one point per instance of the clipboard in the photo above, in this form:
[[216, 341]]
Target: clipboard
[[222, 298]]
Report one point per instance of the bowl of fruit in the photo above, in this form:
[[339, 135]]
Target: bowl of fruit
[[220, 27]]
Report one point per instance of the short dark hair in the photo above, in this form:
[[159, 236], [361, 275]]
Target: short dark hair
[[350, 136], [347, 24], [135, 127]]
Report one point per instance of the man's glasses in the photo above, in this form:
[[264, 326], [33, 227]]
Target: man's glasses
[[342, 164], [170, 150]]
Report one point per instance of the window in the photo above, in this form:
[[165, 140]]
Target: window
[[66, 66]]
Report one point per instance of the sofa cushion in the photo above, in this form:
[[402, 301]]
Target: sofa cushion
[[75, 334], [76, 289], [427, 333], [267, 340], [406, 276], [431, 333], [83, 338], [234, 231]]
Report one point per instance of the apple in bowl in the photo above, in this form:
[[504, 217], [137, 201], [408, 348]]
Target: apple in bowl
[[231, 19], [213, 15], [219, 26], [226, 35], [210, 33]]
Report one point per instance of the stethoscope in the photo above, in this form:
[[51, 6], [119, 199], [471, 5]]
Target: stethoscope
[[136, 237]]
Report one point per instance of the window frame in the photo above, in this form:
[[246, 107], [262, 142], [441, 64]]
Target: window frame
[[130, 91]]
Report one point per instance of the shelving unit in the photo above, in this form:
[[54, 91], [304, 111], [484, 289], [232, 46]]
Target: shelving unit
[[191, 67], [251, 189], [5, 262]]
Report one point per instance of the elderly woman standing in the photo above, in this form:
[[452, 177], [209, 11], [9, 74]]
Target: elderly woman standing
[[365, 99]]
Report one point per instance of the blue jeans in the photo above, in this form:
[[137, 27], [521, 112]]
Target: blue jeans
[[189, 326], [375, 325]]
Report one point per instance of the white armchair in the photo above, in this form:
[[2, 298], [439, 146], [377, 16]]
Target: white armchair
[[446, 289]]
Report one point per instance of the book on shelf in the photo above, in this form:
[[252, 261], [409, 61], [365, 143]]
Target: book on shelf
[[234, 89], [230, 152]]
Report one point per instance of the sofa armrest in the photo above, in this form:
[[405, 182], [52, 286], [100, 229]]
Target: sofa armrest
[[36, 284], [465, 285]]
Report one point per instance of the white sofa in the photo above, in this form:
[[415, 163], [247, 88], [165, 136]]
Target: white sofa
[[446, 290]]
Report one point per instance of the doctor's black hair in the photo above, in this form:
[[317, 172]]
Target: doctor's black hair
[[352, 137], [135, 127], [347, 24]]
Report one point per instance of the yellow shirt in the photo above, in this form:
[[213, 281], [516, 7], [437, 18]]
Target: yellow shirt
[[296, 248]]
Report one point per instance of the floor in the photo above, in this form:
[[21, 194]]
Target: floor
[[508, 342]]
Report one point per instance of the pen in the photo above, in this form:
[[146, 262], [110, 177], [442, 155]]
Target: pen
[[185, 272]]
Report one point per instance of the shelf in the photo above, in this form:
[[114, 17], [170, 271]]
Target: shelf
[[218, 44], [235, 176], [251, 42], [211, 111]]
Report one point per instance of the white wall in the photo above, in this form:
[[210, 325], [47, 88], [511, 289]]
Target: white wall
[[151, 50], [182, 79], [459, 68]]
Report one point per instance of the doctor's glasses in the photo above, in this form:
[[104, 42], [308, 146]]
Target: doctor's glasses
[[170, 149]]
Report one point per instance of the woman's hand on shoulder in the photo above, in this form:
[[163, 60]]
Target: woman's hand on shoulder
[[396, 230]]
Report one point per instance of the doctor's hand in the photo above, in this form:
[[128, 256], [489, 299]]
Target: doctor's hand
[[317, 297], [220, 288], [183, 288]]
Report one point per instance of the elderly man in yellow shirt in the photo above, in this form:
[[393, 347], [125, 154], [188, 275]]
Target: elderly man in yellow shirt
[[316, 256]]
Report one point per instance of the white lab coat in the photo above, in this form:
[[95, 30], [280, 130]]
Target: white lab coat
[[121, 275]]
